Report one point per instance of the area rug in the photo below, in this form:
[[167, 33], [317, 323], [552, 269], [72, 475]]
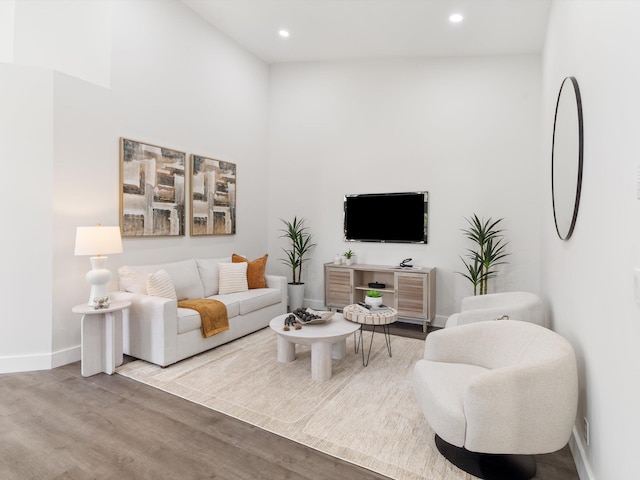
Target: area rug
[[364, 415]]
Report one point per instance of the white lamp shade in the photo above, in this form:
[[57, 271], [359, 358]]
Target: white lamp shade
[[98, 240]]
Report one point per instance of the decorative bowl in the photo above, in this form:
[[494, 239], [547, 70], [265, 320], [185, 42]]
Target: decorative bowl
[[325, 316]]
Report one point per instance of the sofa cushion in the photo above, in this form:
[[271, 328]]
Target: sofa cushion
[[159, 284], [208, 270], [184, 275], [255, 270], [189, 319], [252, 300], [233, 278]]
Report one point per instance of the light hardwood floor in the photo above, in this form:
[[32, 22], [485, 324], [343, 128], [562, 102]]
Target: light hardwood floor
[[58, 425]]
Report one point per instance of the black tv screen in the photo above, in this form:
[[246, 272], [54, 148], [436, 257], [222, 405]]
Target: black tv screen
[[386, 217]]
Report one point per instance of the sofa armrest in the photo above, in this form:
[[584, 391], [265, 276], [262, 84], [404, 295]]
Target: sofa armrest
[[150, 327], [277, 281]]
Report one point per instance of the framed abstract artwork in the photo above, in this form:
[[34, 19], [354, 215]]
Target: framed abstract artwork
[[213, 196], [152, 190]]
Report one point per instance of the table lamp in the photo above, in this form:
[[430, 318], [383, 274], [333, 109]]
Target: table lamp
[[98, 241]]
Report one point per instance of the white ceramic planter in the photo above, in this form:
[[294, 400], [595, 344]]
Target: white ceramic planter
[[296, 296], [373, 301]]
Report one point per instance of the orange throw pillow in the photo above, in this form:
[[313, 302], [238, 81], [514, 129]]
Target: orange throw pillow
[[255, 270]]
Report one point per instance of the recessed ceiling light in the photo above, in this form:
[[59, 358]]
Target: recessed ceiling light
[[283, 33], [455, 18]]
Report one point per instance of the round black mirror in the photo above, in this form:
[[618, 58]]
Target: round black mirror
[[566, 158]]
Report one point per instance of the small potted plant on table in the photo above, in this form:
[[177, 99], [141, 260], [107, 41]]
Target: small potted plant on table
[[348, 255], [373, 298]]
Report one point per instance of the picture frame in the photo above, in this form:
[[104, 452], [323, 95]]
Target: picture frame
[[152, 190], [213, 196]]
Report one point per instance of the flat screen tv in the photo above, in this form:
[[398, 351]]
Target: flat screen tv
[[386, 217]]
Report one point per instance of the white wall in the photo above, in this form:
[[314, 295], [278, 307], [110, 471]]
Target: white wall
[[466, 129], [173, 81], [64, 35], [7, 20], [588, 280], [26, 137]]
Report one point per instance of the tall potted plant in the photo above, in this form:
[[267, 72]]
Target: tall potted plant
[[295, 257], [488, 253]]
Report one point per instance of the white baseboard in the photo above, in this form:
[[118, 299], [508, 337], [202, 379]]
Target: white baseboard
[[314, 304], [39, 361], [25, 363], [580, 456], [439, 321], [66, 356]]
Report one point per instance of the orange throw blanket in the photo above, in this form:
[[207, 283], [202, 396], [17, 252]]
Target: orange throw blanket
[[212, 312]]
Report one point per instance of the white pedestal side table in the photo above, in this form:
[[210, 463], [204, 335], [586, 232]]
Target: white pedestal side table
[[327, 340], [101, 337]]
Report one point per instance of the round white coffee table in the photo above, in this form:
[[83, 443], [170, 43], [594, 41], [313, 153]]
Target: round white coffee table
[[327, 340]]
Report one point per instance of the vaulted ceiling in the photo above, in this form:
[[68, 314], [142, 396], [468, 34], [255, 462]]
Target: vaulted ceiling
[[360, 29]]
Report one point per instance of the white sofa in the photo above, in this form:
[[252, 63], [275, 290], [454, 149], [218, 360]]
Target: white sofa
[[156, 330]]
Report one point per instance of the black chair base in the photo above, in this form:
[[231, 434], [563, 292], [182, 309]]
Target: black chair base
[[488, 465]]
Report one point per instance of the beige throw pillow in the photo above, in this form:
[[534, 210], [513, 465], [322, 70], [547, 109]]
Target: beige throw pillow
[[232, 277], [159, 284], [132, 280]]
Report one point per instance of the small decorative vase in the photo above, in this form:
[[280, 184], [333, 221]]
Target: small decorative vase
[[373, 301], [348, 261]]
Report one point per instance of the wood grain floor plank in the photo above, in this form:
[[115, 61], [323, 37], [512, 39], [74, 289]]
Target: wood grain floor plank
[[58, 425]]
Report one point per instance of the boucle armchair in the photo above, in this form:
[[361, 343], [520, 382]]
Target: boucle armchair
[[524, 306], [507, 388]]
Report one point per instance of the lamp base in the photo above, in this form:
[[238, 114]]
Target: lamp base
[[99, 278]]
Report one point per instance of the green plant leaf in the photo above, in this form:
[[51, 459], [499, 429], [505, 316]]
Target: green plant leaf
[[300, 245], [488, 253]]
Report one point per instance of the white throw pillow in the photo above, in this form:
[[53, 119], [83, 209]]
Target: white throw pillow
[[159, 284], [132, 280], [232, 277], [209, 274]]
